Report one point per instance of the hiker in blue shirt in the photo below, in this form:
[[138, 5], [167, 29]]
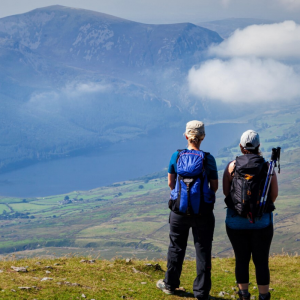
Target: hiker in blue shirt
[[248, 237], [191, 208]]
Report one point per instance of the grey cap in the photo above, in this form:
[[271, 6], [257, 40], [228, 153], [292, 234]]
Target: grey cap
[[195, 125], [250, 140]]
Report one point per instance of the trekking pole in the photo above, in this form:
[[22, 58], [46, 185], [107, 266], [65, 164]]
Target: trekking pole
[[273, 163]]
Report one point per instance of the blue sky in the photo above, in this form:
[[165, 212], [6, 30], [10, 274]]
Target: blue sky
[[171, 11]]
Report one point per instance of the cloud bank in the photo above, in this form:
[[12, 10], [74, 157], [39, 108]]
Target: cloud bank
[[251, 66], [244, 80], [278, 41]]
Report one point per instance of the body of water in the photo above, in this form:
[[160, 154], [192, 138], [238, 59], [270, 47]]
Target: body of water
[[121, 161]]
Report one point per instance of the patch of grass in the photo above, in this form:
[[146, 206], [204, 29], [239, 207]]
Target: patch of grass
[[117, 279]]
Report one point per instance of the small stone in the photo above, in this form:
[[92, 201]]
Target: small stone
[[271, 289], [48, 267], [75, 284], [83, 261], [46, 278], [13, 290], [59, 283], [38, 263], [253, 297], [233, 288], [83, 296], [233, 296], [226, 271], [221, 294], [92, 261], [255, 288], [24, 287], [103, 279], [128, 260], [123, 297], [1, 271], [143, 282], [19, 269], [48, 272], [56, 264]]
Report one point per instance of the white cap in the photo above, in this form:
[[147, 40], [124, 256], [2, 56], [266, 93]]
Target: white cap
[[250, 140], [195, 125]]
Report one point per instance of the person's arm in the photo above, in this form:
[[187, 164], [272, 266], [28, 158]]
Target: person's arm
[[274, 187], [227, 178], [214, 184], [171, 180]]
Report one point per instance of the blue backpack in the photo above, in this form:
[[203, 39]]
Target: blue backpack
[[192, 194]]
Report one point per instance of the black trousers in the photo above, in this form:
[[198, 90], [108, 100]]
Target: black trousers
[[256, 242], [203, 229]]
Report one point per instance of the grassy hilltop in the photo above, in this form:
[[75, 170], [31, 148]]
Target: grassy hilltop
[[117, 279], [131, 218]]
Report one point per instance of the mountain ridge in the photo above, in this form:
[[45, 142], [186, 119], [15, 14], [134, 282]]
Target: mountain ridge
[[71, 73]]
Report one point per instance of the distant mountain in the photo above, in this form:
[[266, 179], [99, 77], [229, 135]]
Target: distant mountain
[[227, 26], [73, 79]]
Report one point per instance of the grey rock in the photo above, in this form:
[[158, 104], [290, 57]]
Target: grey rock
[[83, 296], [13, 290], [48, 267], [128, 260], [143, 282], [48, 272], [46, 279], [19, 269], [24, 287]]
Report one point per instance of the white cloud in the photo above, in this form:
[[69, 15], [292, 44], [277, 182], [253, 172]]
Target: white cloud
[[278, 41], [78, 88], [244, 80]]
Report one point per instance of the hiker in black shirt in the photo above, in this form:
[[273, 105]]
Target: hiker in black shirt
[[248, 238]]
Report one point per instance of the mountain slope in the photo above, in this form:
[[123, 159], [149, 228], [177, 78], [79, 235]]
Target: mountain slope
[[74, 79]]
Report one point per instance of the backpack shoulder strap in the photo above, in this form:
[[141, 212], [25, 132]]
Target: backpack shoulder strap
[[179, 151], [205, 158]]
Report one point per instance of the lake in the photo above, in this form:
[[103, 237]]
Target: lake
[[119, 162]]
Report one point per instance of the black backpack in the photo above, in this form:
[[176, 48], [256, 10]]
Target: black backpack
[[247, 185]]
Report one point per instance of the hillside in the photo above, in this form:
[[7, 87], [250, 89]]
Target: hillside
[[73, 80], [77, 278], [131, 217]]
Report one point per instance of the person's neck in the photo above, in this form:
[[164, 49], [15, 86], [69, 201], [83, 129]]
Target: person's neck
[[192, 147]]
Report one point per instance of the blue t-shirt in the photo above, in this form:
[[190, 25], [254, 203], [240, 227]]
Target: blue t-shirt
[[210, 166], [235, 221]]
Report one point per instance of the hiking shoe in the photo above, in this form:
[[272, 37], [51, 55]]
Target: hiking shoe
[[244, 298], [267, 298], [161, 285]]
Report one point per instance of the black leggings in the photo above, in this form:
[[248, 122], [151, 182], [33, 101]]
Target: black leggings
[[251, 241]]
